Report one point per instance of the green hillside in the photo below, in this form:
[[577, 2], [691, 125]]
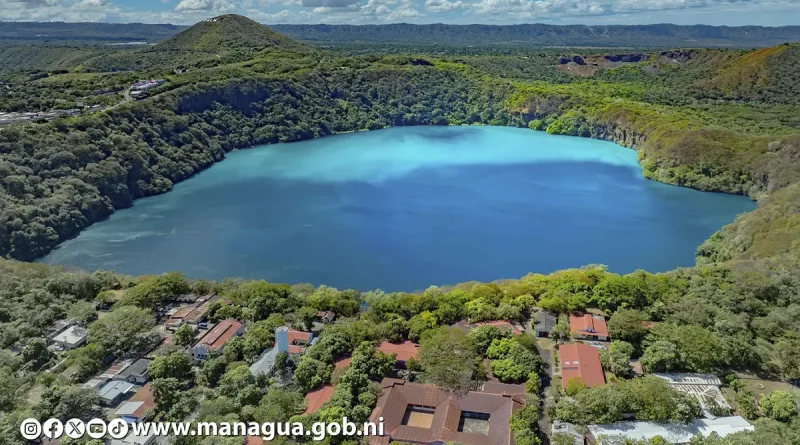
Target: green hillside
[[212, 42]]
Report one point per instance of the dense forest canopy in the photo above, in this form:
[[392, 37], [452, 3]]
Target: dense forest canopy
[[718, 120]]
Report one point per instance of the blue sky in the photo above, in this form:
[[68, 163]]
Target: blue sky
[[592, 12]]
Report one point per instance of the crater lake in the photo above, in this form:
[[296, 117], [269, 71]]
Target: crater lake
[[404, 208]]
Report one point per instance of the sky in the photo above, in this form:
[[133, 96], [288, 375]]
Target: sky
[[593, 12]]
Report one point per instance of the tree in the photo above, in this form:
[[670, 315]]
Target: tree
[[184, 336], [311, 373], [177, 365], [213, 370], [394, 330], [483, 336], [67, 402], [81, 312], [235, 380], [448, 357], [575, 386], [36, 354], [628, 325], [306, 315], [124, 331], [779, 405], [279, 405], [152, 292], [166, 393], [660, 356], [616, 359]]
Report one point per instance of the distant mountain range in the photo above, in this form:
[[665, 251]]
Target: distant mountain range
[[663, 35]]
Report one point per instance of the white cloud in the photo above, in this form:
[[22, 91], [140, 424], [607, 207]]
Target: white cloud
[[205, 5], [443, 5]]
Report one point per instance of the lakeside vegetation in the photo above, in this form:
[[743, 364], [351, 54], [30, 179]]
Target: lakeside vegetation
[[713, 120]]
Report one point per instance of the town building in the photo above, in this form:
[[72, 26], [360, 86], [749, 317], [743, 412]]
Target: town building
[[588, 327], [114, 370], [71, 337], [543, 324], [136, 372], [673, 433], [138, 406], [287, 340], [215, 339], [192, 313], [111, 393], [292, 341], [582, 361], [703, 387], [426, 414], [403, 351]]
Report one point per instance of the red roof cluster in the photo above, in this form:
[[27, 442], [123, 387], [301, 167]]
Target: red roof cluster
[[446, 410], [588, 325], [216, 338], [579, 360], [298, 341]]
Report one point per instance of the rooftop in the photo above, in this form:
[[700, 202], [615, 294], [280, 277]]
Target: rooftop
[[582, 361], [676, 433], [217, 337], [139, 367], [113, 389], [317, 398], [139, 404], [588, 324], [115, 369], [545, 321], [71, 335], [424, 413], [265, 363], [404, 351]]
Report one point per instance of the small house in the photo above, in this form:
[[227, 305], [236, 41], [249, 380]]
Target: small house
[[114, 391], [543, 324], [136, 372], [588, 327], [71, 338]]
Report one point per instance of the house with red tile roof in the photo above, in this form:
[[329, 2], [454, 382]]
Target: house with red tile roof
[[215, 339], [582, 361], [426, 414], [588, 327], [403, 351]]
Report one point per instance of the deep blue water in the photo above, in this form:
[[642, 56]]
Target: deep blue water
[[404, 208]]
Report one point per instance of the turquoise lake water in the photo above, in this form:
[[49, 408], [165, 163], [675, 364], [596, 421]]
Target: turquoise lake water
[[404, 208]]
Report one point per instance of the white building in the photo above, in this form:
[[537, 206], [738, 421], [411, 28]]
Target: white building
[[674, 433], [71, 337]]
